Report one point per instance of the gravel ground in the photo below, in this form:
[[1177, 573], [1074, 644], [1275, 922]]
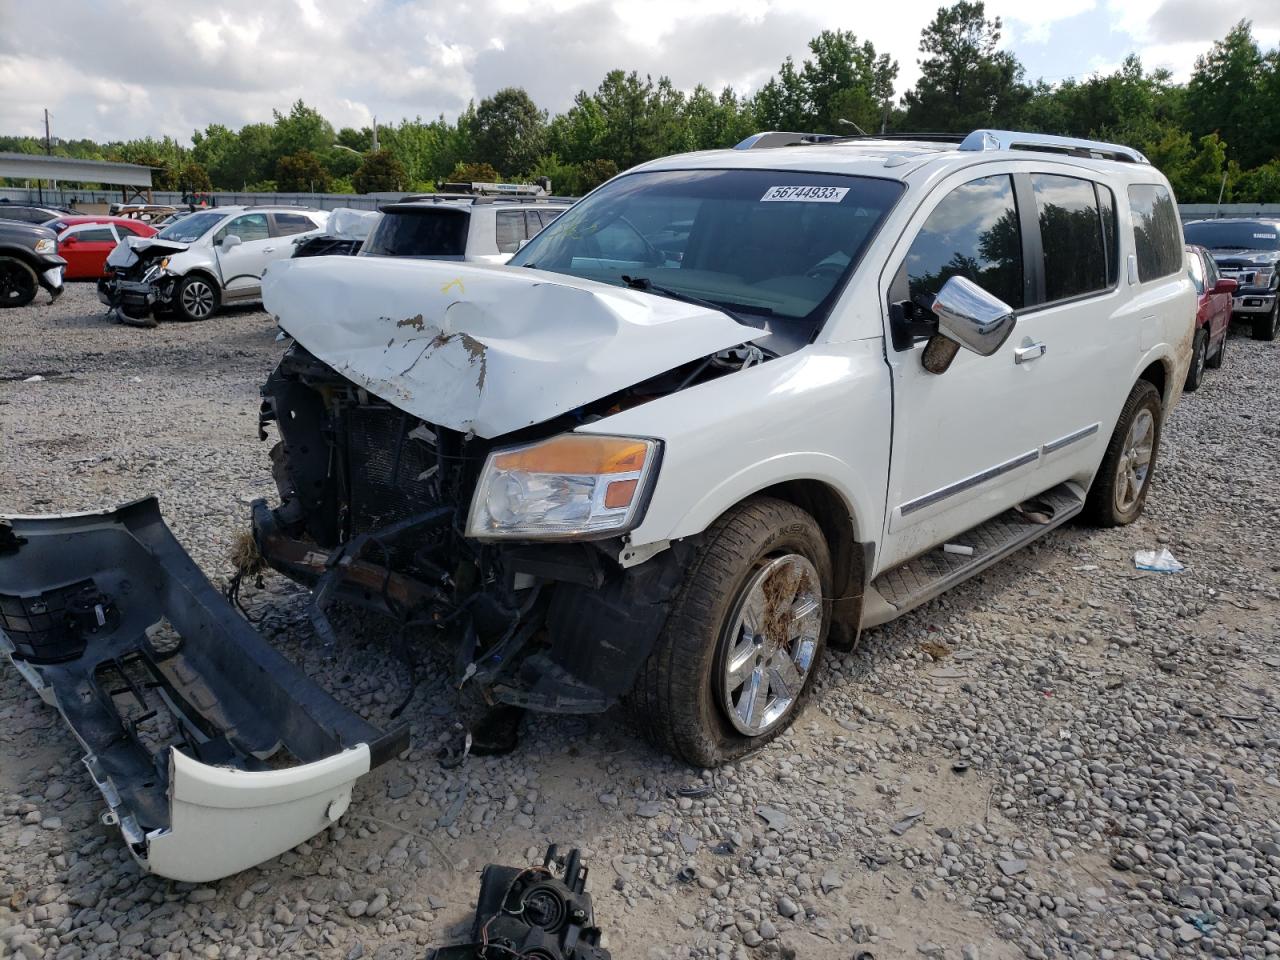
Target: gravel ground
[[1063, 757]]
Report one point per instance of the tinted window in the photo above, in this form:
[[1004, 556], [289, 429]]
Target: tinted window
[[1107, 209], [126, 229], [440, 232], [755, 241], [1071, 234], [288, 224], [1156, 237], [1229, 235], [548, 215], [532, 222], [972, 233], [252, 226], [509, 230], [101, 234], [1210, 270]]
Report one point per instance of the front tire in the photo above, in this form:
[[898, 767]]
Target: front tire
[[1215, 362], [1195, 375], [1264, 325], [736, 659], [18, 283], [1119, 490], [196, 298]]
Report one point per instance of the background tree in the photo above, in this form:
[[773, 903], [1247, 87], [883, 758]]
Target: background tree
[[509, 131], [380, 172], [193, 178], [474, 173], [966, 82], [302, 128], [1225, 96], [301, 172]]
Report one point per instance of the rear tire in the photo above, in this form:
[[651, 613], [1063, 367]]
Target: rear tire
[[1195, 375], [1264, 325], [1215, 362], [1119, 490], [196, 298], [736, 659], [18, 283]]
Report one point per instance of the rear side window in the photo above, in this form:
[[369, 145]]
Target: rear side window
[[1157, 239], [1107, 209], [509, 230], [126, 229], [1075, 262], [426, 233], [972, 233], [288, 224]]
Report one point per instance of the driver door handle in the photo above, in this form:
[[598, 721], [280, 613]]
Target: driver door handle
[[1029, 351]]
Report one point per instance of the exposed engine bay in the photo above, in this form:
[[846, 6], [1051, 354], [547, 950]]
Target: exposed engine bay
[[373, 508]]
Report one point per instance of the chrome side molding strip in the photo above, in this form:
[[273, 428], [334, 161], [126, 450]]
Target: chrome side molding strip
[[1070, 438], [951, 489]]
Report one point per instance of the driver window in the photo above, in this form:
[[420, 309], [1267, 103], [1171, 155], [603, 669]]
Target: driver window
[[973, 233], [252, 226], [1195, 267]]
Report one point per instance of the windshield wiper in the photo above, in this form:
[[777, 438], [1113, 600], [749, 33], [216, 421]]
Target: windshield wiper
[[720, 306]]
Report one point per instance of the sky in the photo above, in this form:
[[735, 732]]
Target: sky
[[131, 68]]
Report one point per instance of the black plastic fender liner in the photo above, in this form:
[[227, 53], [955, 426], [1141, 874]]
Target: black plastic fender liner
[[114, 624]]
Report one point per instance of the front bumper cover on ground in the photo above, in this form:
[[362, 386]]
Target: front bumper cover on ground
[[213, 751]]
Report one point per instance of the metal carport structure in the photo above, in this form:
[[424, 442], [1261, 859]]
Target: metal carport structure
[[133, 179]]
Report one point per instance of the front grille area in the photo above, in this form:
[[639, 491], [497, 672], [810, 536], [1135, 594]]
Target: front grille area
[[392, 467]]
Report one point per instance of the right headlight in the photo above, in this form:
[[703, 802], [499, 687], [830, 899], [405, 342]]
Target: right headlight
[[576, 486], [46, 245]]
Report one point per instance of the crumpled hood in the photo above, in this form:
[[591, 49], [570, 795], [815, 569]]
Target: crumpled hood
[[481, 348], [129, 251]]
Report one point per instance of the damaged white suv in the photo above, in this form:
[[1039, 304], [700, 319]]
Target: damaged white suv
[[195, 265], [727, 409]]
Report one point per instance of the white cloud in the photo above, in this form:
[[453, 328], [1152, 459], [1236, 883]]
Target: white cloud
[[136, 67]]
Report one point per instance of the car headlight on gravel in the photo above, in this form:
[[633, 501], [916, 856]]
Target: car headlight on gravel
[[46, 245], [571, 487]]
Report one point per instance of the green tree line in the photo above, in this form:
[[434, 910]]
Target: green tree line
[[1217, 134]]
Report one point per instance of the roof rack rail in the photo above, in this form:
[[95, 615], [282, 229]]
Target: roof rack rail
[[780, 138], [982, 140], [478, 198]]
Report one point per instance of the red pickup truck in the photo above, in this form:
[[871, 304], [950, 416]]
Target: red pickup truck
[[1213, 313]]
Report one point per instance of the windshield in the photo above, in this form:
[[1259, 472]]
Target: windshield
[[191, 228], [1258, 235], [430, 232], [753, 241]]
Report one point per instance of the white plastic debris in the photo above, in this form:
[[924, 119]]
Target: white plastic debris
[[1161, 562], [34, 379]]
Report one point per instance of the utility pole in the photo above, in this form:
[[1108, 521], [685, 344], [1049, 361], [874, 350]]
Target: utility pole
[[48, 140], [374, 148]]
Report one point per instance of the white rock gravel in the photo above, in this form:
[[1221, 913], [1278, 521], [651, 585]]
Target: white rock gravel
[[1090, 771]]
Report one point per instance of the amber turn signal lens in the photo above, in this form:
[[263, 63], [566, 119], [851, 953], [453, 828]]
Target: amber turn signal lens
[[578, 454], [619, 493]]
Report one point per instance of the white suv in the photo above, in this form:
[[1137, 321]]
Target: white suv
[[196, 264], [447, 227], [728, 408]]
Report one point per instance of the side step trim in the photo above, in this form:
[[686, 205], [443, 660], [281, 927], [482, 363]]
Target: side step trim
[[922, 578]]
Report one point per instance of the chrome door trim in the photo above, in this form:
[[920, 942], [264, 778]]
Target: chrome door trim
[[968, 483], [1055, 445]]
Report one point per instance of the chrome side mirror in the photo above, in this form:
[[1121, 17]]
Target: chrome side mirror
[[968, 317]]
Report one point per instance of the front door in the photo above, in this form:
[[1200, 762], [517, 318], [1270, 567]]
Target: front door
[[85, 248], [242, 265]]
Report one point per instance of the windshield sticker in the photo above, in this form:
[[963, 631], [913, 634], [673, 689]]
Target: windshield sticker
[[1256, 236], [805, 194]]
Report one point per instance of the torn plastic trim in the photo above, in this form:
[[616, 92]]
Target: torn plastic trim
[[186, 732]]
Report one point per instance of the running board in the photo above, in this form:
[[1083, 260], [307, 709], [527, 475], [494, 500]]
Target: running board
[[922, 578]]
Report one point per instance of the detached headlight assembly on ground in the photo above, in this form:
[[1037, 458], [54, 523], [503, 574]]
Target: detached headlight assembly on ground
[[571, 487]]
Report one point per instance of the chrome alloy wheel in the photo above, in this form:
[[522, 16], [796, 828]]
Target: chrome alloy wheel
[[1135, 462], [770, 646], [197, 299]]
